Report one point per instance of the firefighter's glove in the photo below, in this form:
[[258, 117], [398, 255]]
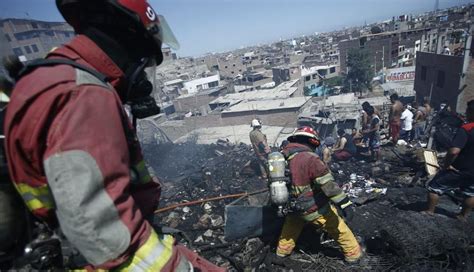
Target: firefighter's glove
[[346, 208]]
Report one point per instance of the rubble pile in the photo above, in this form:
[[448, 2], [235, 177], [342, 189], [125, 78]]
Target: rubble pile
[[388, 222]]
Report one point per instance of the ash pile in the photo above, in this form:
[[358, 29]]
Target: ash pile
[[388, 196]]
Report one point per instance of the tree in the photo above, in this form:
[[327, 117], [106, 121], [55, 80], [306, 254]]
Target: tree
[[360, 73], [376, 30]]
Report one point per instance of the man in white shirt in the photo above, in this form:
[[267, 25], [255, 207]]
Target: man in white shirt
[[407, 124]]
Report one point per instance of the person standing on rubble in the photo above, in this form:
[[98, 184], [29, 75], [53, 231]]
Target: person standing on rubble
[[458, 170], [260, 146], [395, 117], [407, 124], [421, 115], [72, 150], [314, 188], [373, 134]]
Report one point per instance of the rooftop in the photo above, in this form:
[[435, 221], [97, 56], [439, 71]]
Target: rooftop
[[269, 104], [284, 90], [235, 134]]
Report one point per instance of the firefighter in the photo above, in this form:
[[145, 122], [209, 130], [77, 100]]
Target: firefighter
[[260, 146], [313, 188], [72, 151]]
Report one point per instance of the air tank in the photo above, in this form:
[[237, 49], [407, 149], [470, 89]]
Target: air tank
[[276, 166]]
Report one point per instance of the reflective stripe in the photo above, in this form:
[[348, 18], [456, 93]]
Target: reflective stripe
[[345, 205], [292, 156], [142, 172], [152, 255], [299, 189], [338, 198], [324, 179], [321, 211], [35, 197]]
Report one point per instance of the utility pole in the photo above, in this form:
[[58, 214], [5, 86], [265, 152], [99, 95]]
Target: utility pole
[[383, 57], [375, 64]]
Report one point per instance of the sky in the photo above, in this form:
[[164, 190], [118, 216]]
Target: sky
[[207, 26]]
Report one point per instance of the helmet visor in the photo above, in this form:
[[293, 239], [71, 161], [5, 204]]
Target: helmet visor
[[166, 34]]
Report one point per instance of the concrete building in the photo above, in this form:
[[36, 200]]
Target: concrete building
[[285, 90], [168, 55], [285, 73], [273, 112], [198, 101], [203, 83], [313, 77], [31, 39], [438, 77], [400, 81], [5, 50], [387, 49]]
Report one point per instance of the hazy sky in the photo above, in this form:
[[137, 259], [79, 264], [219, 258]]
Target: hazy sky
[[217, 25]]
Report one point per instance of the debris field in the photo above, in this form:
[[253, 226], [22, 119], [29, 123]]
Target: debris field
[[388, 195]]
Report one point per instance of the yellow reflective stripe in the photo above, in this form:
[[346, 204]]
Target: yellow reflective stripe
[[299, 189], [343, 206], [324, 179], [152, 255], [338, 198], [292, 156], [321, 211], [35, 197], [142, 171]]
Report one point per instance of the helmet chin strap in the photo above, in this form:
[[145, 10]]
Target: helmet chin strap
[[133, 74]]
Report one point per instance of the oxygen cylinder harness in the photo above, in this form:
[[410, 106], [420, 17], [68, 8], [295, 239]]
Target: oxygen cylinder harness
[[279, 181]]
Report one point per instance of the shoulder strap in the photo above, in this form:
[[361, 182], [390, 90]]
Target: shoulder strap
[[129, 134], [52, 62]]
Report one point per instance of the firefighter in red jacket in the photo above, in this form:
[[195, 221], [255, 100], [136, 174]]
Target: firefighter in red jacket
[[73, 154], [313, 187]]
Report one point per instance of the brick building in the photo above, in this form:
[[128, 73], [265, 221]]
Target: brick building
[[31, 39]]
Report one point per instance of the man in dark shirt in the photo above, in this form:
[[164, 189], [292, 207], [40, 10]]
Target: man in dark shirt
[[458, 170]]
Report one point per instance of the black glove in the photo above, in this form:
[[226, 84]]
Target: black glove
[[346, 208], [348, 213]]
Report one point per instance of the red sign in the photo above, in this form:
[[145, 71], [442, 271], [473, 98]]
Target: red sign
[[401, 76]]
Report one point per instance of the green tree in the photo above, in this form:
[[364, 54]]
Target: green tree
[[360, 73]]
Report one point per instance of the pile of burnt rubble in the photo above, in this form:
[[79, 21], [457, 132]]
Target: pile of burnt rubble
[[389, 196]]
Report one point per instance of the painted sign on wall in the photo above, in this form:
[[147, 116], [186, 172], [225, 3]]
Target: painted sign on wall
[[400, 74]]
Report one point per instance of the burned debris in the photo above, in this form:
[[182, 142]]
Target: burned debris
[[388, 195]]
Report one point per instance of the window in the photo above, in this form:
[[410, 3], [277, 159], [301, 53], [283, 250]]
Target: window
[[423, 73], [315, 76], [8, 38], [332, 70], [34, 25], [34, 47], [213, 84], [27, 49], [17, 51], [440, 79], [307, 78]]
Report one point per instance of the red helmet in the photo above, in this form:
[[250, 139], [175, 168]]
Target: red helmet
[[139, 13], [309, 133]]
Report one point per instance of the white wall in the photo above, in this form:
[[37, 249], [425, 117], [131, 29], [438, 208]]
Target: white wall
[[193, 85]]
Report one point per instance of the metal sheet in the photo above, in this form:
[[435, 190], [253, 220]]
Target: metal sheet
[[251, 221]]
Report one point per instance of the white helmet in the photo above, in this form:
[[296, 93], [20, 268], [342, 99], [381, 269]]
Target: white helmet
[[255, 123]]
